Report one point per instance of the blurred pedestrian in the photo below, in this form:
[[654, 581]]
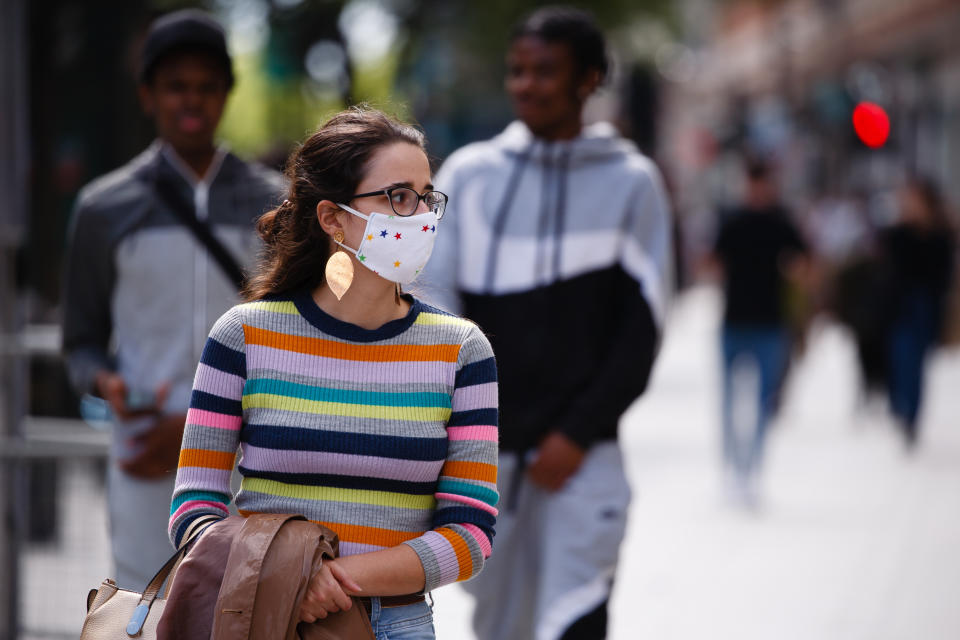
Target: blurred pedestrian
[[559, 247], [360, 408], [919, 252], [761, 255], [155, 255]]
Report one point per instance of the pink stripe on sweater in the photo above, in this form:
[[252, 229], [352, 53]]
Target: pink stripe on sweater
[[218, 383], [478, 396], [483, 432], [196, 504], [485, 548], [211, 419], [470, 502]]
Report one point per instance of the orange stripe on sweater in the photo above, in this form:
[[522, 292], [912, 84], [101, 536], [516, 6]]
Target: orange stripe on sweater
[[463, 553], [470, 470], [360, 352], [207, 458], [371, 535]]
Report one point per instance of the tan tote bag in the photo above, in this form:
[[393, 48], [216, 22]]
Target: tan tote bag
[[114, 613]]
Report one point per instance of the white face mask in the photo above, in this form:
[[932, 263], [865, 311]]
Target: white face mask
[[395, 247]]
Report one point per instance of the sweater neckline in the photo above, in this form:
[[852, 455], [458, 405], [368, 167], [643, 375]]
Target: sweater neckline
[[323, 321]]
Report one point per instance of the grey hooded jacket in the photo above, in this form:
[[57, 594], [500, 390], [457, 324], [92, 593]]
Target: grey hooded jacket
[[561, 252], [140, 292]]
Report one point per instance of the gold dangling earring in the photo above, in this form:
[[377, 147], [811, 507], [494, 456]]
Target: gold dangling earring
[[339, 270], [396, 294]]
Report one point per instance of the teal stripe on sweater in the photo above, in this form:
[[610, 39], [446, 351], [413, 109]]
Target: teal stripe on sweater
[[187, 496], [346, 396], [468, 490]]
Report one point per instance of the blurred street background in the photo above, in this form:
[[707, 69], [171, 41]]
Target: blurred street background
[[855, 536]]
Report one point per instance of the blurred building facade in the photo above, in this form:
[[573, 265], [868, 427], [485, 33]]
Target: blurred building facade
[[782, 77]]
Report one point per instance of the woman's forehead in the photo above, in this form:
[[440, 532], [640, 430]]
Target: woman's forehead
[[400, 162]]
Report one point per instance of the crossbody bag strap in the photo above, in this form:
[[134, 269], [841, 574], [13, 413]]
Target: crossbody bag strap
[[186, 215], [238, 591]]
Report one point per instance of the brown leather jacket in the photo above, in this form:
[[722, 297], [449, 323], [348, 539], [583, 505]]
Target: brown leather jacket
[[246, 578]]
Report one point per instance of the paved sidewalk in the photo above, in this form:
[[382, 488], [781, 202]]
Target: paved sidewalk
[[856, 540]]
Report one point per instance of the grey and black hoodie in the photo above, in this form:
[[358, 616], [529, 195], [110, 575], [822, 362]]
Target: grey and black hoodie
[[140, 291], [561, 252]]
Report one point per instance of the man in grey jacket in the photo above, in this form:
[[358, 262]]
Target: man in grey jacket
[[155, 255]]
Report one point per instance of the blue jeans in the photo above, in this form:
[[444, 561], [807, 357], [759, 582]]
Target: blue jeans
[[409, 622], [767, 350], [913, 334]]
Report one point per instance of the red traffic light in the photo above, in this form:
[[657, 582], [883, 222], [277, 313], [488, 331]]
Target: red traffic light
[[871, 123]]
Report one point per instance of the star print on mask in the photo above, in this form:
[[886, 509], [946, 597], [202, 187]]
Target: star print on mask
[[398, 261]]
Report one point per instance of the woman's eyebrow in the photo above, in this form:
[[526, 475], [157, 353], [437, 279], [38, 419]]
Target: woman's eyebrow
[[407, 184]]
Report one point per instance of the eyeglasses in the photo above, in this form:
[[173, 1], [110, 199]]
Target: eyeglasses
[[404, 200]]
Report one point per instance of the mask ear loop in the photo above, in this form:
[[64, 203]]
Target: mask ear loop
[[396, 291]]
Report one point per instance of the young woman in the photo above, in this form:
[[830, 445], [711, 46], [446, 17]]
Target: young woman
[[360, 408]]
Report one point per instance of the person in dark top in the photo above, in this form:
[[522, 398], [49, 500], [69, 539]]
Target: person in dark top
[[918, 253], [758, 249]]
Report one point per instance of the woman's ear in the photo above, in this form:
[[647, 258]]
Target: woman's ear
[[328, 215]]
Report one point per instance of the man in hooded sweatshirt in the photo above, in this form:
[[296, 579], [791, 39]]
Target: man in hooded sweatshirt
[[142, 289], [558, 246]]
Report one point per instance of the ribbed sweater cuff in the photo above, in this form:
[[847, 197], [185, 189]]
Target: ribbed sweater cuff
[[438, 569]]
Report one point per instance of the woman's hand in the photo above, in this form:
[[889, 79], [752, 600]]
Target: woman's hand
[[328, 592]]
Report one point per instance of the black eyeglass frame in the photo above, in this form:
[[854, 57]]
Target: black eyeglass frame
[[421, 197]]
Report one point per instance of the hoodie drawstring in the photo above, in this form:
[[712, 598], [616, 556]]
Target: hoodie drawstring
[[562, 179], [500, 220], [553, 204], [546, 209]]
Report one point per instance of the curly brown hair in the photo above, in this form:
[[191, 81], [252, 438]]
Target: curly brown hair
[[328, 166]]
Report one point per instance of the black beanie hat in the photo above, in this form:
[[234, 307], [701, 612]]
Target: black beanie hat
[[186, 29]]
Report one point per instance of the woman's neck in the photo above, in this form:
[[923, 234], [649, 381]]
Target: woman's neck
[[369, 303]]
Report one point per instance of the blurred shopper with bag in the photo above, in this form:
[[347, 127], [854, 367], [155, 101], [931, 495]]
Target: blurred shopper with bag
[[559, 247], [155, 254], [353, 404]]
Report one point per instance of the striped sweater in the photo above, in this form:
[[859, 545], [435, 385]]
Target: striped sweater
[[387, 436]]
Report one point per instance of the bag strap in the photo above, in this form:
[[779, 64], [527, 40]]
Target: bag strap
[[186, 215], [250, 545], [139, 617]]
